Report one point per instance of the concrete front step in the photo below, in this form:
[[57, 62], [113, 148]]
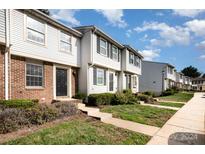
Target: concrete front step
[[81, 105], [100, 115], [89, 110]]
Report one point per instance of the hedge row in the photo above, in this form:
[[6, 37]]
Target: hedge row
[[125, 97], [23, 115]]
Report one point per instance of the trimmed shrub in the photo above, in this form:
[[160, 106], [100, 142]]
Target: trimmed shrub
[[80, 96], [18, 103], [125, 97], [66, 108], [12, 119], [100, 99], [149, 93], [145, 98], [119, 99], [41, 114]]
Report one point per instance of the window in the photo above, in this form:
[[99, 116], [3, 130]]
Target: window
[[100, 76], [65, 42], [134, 81], [170, 70], [103, 47], [35, 31], [34, 75], [131, 58], [115, 53], [137, 61]]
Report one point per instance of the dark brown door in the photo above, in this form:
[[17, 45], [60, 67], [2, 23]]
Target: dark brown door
[[61, 82]]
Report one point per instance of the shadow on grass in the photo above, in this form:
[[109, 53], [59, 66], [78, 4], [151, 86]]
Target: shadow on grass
[[186, 138]]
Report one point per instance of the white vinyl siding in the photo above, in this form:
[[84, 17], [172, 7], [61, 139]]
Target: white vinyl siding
[[65, 42], [114, 53], [2, 24], [103, 47], [35, 31], [34, 75]]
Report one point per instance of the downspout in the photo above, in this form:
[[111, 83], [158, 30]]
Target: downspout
[[6, 56], [92, 59]]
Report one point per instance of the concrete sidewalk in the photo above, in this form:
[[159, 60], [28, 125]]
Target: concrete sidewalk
[[187, 126]]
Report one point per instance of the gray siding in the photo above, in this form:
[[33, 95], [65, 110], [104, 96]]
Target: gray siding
[[151, 78], [2, 25]]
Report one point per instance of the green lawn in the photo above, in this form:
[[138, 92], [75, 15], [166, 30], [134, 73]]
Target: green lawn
[[178, 97], [82, 131], [179, 105], [141, 114]]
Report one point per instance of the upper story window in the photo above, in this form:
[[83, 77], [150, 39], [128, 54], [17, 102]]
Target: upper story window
[[170, 70], [65, 42], [115, 53], [34, 75], [131, 58], [103, 47], [35, 31], [137, 61]]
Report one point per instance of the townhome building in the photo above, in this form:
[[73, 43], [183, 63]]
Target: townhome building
[[43, 57], [198, 84], [187, 83], [105, 65], [156, 77], [179, 80], [131, 69]]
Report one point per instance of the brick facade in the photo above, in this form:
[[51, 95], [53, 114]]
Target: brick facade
[[18, 84], [2, 93]]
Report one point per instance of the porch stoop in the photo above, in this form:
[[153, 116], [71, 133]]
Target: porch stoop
[[94, 112]]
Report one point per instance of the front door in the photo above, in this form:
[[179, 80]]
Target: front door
[[61, 82]]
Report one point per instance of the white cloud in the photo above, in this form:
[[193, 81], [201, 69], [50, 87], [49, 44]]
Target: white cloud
[[201, 45], [114, 17], [168, 35], [144, 38], [150, 54], [188, 12], [128, 33], [202, 57], [67, 16], [196, 26]]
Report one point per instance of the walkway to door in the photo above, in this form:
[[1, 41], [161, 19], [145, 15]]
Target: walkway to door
[[187, 126]]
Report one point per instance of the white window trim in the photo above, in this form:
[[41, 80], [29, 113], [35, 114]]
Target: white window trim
[[131, 54], [100, 84], [59, 46], [113, 46], [103, 47], [26, 31], [34, 87]]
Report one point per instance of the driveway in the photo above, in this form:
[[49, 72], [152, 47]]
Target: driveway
[[187, 126]]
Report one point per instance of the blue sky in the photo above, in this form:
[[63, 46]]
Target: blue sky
[[173, 36]]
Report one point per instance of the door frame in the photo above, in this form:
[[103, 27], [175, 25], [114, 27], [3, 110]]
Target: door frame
[[69, 86]]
